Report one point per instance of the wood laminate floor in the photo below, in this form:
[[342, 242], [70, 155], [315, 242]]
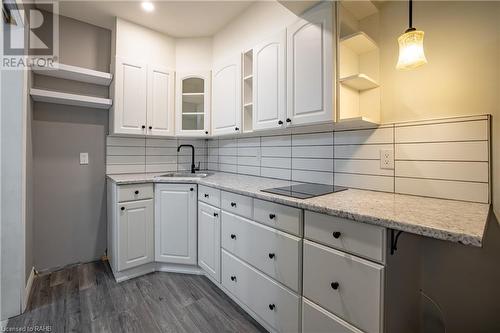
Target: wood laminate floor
[[86, 298]]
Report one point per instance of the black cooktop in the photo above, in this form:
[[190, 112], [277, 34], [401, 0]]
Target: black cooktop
[[305, 191]]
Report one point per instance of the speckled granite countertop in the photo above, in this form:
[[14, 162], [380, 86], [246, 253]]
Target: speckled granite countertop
[[455, 221]]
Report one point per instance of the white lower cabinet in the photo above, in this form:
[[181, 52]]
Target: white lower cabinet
[[273, 303], [175, 223], [135, 233], [209, 240], [317, 320], [349, 287]]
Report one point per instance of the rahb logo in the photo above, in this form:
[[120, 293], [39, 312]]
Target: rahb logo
[[30, 34]]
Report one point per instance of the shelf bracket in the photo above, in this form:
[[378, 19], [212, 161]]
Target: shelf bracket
[[394, 240]]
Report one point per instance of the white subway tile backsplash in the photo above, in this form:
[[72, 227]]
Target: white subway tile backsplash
[[313, 152], [228, 143], [228, 168], [365, 136], [459, 131], [285, 174], [228, 159], [248, 161], [465, 171], [443, 151], [367, 152], [161, 159], [248, 151], [161, 143], [366, 167], [228, 151], [161, 151], [276, 162], [315, 139], [276, 141], [325, 165], [249, 170], [249, 142], [312, 177], [276, 152], [365, 182]]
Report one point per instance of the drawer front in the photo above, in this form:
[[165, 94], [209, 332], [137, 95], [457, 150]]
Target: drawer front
[[363, 239], [278, 216], [275, 305], [273, 252], [317, 320], [349, 287], [209, 195], [135, 192], [237, 204]]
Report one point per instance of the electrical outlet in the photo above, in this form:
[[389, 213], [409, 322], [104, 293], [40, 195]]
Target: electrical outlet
[[387, 159], [84, 158]]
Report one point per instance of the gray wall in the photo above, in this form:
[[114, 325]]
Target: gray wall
[[69, 201]]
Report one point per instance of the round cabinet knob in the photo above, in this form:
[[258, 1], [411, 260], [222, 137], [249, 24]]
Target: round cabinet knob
[[123, 208], [233, 236], [233, 278], [143, 126], [150, 127], [271, 255], [271, 306], [206, 195], [215, 214], [233, 204], [272, 216], [191, 189], [206, 132], [334, 285], [136, 192], [288, 120], [236, 129], [336, 234], [280, 122]]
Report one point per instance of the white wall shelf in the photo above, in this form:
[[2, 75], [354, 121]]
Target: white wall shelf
[[359, 43], [75, 73], [41, 95], [359, 82], [356, 122], [360, 9]]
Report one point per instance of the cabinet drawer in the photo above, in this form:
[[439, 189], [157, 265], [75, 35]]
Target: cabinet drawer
[[209, 195], [363, 239], [273, 252], [274, 304], [282, 217], [347, 286], [135, 192], [236, 203], [317, 320]]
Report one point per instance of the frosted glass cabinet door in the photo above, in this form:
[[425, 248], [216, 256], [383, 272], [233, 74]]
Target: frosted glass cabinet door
[[310, 71], [129, 105], [192, 109], [269, 83], [135, 234], [226, 97], [160, 109], [175, 223]]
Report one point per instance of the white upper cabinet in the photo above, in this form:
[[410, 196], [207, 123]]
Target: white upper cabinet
[[128, 115], [310, 68], [144, 99], [160, 106], [226, 97], [192, 109], [269, 83]]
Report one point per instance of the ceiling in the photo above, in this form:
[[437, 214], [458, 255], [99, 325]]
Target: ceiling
[[181, 19]]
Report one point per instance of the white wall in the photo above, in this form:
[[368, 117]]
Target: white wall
[[193, 54], [143, 44], [259, 20]]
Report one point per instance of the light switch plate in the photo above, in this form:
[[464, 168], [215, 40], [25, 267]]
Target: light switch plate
[[84, 158], [387, 159]]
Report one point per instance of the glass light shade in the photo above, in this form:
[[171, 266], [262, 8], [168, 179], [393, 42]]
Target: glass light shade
[[411, 50]]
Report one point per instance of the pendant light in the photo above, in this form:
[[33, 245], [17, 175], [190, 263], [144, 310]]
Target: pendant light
[[411, 46]]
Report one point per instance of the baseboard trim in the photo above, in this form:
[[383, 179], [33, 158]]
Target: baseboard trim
[[27, 289]]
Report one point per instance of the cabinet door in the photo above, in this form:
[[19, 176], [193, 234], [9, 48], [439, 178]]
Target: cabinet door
[[192, 109], [175, 223], [269, 83], [160, 109], [209, 240], [226, 97], [129, 106], [135, 233], [310, 71]]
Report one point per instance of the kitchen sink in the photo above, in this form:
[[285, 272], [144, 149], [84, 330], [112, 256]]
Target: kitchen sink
[[185, 175]]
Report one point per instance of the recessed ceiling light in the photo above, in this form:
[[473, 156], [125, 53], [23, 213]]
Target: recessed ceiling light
[[148, 6]]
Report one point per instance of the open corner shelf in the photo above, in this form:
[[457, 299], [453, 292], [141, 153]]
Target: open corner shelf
[[48, 96], [359, 42], [360, 9], [356, 122], [75, 73], [359, 82]]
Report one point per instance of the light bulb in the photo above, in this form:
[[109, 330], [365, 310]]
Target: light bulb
[[411, 50], [148, 6]]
